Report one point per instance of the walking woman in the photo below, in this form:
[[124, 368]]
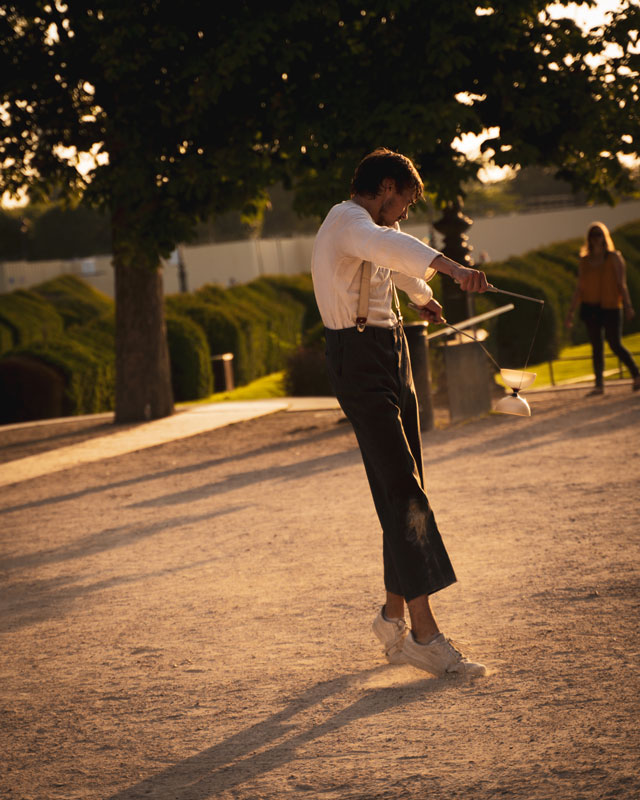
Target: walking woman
[[603, 295]]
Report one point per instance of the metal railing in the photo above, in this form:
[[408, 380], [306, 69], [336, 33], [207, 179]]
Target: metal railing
[[607, 373], [472, 322]]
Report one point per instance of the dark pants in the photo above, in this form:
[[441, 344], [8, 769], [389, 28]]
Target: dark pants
[[605, 323], [371, 375]]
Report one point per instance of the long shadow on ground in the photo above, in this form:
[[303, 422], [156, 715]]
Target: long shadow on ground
[[234, 760], [175, 472]]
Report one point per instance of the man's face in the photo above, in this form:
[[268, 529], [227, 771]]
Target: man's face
[[395, 205]]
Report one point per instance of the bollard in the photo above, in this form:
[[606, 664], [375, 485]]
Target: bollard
[[222, 366], [416, 333]]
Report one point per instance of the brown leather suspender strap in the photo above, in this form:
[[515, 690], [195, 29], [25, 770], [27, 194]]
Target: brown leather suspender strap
[[363, 302]]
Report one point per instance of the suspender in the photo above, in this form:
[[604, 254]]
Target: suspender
[[363, 301]]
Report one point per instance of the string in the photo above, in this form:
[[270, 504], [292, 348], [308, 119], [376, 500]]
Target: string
[[473, 339], [534, 335], [477, 341]]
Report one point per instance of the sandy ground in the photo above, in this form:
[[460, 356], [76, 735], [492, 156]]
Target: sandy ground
[[192, 620]]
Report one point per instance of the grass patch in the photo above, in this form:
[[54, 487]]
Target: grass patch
[[267, 386], [578, 363], [273, 385]]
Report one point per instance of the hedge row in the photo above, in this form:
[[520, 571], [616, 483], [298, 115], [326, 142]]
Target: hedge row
[[261, 322], [88, 380], [57, 352], [58, 357], [550, 274], [65, 328], [190, 357], [26, 317], [57, 341]]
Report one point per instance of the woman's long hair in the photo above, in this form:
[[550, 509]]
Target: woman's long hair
[[587, 247]]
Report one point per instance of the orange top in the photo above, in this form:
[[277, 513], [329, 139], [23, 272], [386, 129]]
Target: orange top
[[599, 283]]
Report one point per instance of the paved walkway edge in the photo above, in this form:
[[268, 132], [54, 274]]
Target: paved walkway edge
[[195, 420]]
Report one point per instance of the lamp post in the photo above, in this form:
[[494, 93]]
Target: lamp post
[[25, 226], [453, 225]]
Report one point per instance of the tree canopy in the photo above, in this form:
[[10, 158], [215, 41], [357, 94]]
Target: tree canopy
[[195, 112], [189, 113], [416, 76]]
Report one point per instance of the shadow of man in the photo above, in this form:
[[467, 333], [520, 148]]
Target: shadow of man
[[276, 740]]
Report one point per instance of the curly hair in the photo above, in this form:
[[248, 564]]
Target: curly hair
[[382, 164]]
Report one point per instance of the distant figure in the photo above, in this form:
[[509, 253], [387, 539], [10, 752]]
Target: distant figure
[[603, 294]]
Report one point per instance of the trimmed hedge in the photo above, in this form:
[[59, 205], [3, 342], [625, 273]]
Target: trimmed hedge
[[269, 324], [88, 379], [80, 359], [300, 288], [277, 327], [306, 371], [261, 322], [74, 300], [627, 240], [223, 329], [26, 317], [550, 273], [191, 375], [31, 389], [99, 334], [513, 332]]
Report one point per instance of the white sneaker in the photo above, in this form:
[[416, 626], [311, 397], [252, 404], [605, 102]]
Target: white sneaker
[[391, 633], [440, 657]]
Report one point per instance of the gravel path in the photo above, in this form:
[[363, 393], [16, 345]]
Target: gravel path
[[192, 620]]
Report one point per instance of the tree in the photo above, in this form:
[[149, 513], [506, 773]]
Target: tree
[[190, 113], [420, 75], [153, 98], [11, 237]]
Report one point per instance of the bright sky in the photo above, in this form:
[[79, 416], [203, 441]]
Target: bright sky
[[587, 17]]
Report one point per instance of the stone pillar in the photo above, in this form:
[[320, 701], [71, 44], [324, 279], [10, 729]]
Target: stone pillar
[[469, 380], [416, 333], [458, 305]]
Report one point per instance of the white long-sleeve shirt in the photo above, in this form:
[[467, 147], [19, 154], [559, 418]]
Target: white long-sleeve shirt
[[347, 237]]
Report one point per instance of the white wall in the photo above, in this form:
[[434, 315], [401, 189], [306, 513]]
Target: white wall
[[514, 234], [239, 262], [96, 270]]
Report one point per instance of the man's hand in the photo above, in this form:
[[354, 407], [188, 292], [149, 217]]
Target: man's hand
[[471, 280], [431, 312]]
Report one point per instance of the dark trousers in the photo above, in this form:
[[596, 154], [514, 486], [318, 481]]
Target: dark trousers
[[606, 323], [371, 375]]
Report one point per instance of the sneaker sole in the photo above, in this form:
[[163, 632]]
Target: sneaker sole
[[396, 658], [477, 671]]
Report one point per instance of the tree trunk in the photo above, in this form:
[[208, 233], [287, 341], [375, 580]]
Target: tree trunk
[[143, 375]]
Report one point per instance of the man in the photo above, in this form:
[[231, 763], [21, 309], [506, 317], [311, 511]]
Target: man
[[368, 364]]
